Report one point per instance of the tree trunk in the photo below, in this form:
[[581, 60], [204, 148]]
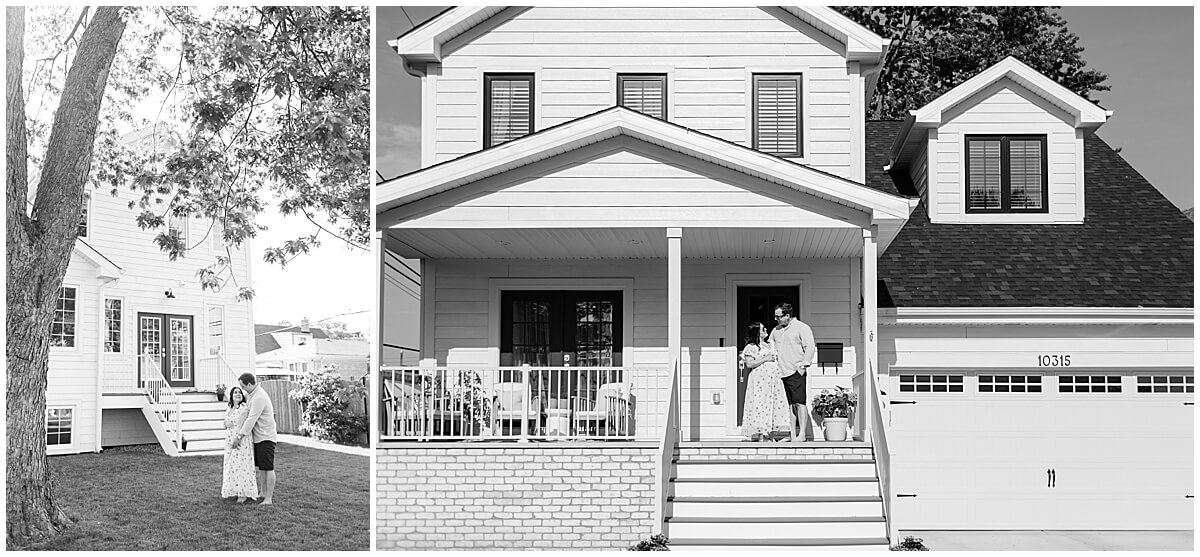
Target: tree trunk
[[39, 248]]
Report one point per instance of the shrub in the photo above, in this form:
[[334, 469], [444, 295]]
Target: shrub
[[657, 542], [325, 398], [910, 544]]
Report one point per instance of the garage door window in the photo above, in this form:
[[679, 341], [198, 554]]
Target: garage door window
[[1089, 384], [1010, 383], [1165, 383], [931, 384]]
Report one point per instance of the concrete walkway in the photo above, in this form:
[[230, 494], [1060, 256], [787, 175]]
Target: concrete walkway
[[1048, 540], [315, 444]]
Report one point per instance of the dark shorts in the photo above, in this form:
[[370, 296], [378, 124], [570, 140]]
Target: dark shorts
[[796, 388], [264, 455]]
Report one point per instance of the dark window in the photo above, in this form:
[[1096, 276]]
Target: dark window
[[62, 325], [550, 328], [931, 384], [1089, 384], [777, 115], [645, 93], [59, 423], [84, 207], [1006, 174], [507, 107], [1166, 383], [1010, 383]]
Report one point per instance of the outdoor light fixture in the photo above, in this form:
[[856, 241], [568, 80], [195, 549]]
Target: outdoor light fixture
[[169, 294]]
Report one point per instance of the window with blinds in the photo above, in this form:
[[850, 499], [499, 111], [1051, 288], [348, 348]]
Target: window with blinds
[[777, 115], [508, 107], [1006, 174], [644, 93]]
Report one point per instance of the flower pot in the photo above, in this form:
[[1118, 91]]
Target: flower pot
[[836, 428]]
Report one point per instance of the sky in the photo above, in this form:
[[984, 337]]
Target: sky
[[1146, 51]]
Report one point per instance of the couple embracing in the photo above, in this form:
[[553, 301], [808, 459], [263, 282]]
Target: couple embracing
[[777, 389], [249, 443]]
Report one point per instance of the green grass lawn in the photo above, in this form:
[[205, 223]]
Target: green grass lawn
[[144, 500]]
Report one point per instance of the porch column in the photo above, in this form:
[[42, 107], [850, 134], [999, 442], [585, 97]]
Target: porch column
[[674, 305], [870, 259]]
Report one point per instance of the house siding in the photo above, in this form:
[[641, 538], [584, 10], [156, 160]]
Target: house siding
[[71, 381], [708, 54], [462, 317], [1006, 108], [558, 498]]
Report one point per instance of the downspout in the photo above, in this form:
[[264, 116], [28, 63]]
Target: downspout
[[101, 332]]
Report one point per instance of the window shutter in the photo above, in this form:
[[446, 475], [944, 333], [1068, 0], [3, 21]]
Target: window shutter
[[510, 108], [646, 94], [983, 167], [1025, 173], [777, 114]]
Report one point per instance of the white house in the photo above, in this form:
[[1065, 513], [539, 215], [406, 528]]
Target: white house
[[609, 196], [137, 347]]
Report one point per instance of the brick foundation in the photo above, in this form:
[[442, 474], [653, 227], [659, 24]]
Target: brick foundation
[[515, 497]]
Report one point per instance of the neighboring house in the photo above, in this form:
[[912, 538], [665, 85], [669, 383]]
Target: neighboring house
[[274, 337], [137, 347], [349, 357], [609, 196]]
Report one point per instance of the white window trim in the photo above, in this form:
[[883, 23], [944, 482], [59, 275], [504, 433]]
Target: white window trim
[[644, 69], [78, 296], [537, 106], [120, 319], [66, 448], [805, 105], [208, 329], [184, 231]]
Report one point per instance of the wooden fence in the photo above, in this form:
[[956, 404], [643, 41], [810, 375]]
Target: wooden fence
[[287, 409]]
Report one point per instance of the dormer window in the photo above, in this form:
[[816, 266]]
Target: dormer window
[[1006, 174], [507, 107], [645, 93]]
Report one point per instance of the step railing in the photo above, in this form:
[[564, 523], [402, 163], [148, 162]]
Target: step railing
[[883, 453], [214, 370], [523, 403], [667, 445], [163, 399]]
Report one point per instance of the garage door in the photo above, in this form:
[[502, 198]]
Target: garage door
[[1012, 450]]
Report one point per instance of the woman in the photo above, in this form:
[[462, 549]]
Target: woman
[[238, 479], [766, 408]]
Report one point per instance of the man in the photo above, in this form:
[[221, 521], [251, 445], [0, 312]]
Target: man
[[797, 351], [260, 426]]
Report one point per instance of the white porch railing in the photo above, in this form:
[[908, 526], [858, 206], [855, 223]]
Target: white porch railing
[[522, 403], [877, 420], [163, 399], [212, 371], [666, 454]]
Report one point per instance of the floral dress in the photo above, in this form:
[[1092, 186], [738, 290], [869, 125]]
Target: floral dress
[[238, 479], [765, 410]]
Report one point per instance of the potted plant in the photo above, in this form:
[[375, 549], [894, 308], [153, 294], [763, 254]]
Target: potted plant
[[220, 392], [835, 408]]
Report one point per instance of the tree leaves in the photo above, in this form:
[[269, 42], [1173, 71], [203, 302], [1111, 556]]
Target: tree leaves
[[935, 48]]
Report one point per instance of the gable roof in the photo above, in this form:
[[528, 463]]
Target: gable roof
[[618, 121], [264, 341], [105, 268], [1134, 248], [423, 43], [1086, 114]]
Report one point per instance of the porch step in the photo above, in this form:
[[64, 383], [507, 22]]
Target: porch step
[[203, 406], [755, 529], [770, 468], [205, 446], [767, 487], [203, 452], [752, 496], [800, 544]]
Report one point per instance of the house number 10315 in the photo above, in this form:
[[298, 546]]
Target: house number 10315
[[1054, 360]]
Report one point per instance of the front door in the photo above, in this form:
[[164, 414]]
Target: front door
[[757, 304], [169, 341]]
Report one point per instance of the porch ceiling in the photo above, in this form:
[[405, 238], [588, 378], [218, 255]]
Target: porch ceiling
[[623, 243]]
